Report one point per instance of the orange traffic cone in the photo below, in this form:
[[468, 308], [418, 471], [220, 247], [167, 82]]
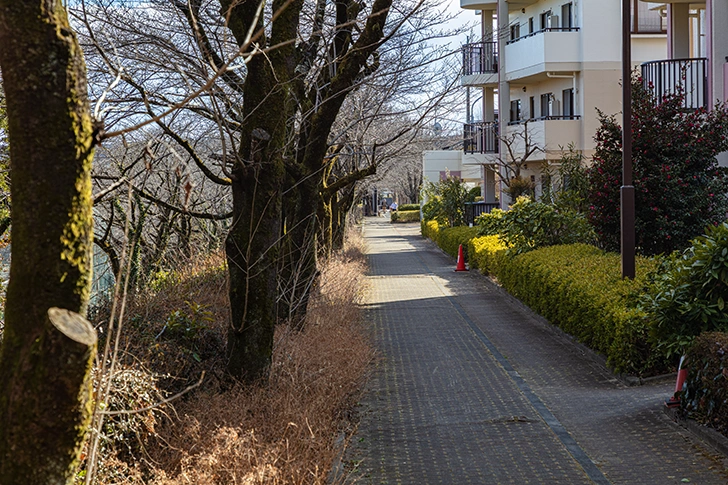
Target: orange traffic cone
[[682, 375], [461, 260]]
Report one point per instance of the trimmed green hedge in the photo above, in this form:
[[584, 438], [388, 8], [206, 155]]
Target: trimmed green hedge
[[577, 287], [406, 216], [409, 207], [705, 393], [580, 289], [430, 229], [486, 254], [449, 238]]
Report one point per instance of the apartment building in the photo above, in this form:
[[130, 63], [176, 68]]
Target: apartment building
[[540, 71]]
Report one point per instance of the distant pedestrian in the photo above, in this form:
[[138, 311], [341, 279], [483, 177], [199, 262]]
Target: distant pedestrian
[[393, 206]]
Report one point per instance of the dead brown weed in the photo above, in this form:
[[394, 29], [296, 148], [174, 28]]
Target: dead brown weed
[[282, 432]]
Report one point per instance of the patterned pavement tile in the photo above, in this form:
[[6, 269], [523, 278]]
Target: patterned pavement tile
[[471, 388]]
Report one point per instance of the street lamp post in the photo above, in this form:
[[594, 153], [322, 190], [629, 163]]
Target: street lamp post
[[627, 191]]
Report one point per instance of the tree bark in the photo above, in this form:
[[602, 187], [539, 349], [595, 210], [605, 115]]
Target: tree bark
[[48, 424], [252, 245], [44, 367]]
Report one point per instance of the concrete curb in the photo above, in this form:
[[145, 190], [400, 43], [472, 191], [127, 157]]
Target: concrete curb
[[590, 354], [707, 435]]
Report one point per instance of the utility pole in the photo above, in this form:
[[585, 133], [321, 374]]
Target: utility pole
[[627, 191]]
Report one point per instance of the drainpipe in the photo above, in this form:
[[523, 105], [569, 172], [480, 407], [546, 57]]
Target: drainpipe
[[571, 76]]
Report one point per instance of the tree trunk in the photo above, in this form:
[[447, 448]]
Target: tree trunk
[[46, 433], [44, 374], [253, 243], [343, 206]]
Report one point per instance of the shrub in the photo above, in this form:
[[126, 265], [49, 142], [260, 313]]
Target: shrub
[[530, 225], [409, 207], [568, 188], [679, 187], [579, 288], [690, 292], [705, 394], [474, 194], [405, 216], [486, 253], [450, 239], [520, 187], [446, 202], [489, 224], [430, 230]]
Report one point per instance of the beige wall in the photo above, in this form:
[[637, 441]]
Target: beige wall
[[436, 162]]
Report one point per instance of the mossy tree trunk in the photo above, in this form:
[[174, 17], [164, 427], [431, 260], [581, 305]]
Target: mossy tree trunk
[[252, 245], [45, 361]]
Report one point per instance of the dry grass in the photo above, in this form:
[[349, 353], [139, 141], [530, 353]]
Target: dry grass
[[283, 432]]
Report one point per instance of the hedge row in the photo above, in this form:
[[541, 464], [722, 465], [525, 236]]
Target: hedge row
[[409, 207], [486, 254], [449, 239], [577, 287], [580, 289], [705, 393], [406, 216]]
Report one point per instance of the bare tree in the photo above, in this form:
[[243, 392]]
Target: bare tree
[[271, 84], [520, 147]]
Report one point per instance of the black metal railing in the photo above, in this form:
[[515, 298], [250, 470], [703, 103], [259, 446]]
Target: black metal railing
[[541, 31], [544, 118], [688, 77], [480, 58], [474, 209], [480, 137]]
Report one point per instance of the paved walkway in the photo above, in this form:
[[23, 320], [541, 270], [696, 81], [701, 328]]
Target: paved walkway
[[472, 388]]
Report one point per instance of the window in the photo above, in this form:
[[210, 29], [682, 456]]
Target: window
[[568, 103], [567, 21], [515, 31], [545, 105], [532, 107], [531, 26], [546, 20], [546, 188], [515, 110]]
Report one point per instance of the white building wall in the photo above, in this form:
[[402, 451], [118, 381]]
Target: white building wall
[[588, 60], [436, 163]]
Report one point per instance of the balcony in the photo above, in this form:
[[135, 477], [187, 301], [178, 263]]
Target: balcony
[[479, 4], [481, 137], [550, 49], [550, 134], [673, 76], [480, 58], [480, 63]]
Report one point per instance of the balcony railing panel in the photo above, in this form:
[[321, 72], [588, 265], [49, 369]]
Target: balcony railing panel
[[672, 76], [480, 58], [475, 209], [547, 29], [544, 118], [481, 137]]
